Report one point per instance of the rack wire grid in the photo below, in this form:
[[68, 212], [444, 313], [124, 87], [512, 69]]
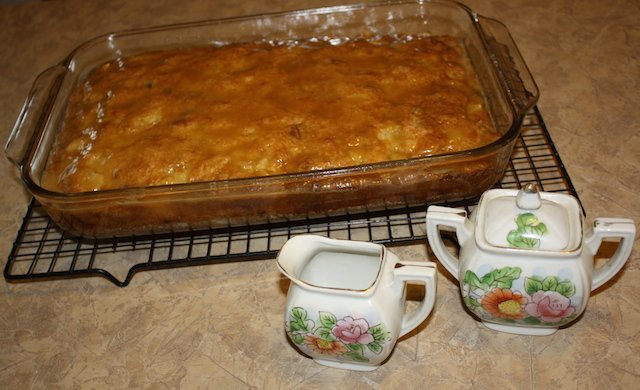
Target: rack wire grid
[[42, 251]]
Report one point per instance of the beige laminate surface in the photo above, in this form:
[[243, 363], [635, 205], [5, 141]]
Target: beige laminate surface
[[220, 326]]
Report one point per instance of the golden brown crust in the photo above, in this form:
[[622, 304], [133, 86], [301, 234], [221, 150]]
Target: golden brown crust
[[247, 110]]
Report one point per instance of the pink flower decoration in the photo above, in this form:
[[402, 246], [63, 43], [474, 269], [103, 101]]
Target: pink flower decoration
[[549, 306], [352, 331]]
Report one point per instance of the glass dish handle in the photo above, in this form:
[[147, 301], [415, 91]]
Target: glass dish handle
[[509, 64], [33, 114]]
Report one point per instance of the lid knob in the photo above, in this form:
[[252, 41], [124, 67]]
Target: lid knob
[[528, 198]]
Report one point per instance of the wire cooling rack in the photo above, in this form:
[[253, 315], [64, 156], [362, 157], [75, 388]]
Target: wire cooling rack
[[42, 251]]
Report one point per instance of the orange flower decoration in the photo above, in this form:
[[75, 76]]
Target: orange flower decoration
[[324, 347], [504, 303]]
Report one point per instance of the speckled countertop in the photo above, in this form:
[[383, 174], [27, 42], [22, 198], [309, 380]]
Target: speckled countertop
[[220, 326]]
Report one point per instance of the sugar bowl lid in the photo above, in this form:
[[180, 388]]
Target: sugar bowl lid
[[528, 219]]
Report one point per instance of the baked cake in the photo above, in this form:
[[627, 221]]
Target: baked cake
[[255, 109]]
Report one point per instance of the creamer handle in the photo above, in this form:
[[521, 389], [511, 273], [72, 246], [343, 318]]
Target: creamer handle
[[622, 228], [510, 67], [438, 216], [414, 271], [33, 114]]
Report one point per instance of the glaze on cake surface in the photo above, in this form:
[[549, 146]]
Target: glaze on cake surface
[[257, 109]]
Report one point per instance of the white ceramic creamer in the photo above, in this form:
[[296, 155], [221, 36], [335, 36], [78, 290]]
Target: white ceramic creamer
[[526, 265], [346, 303]]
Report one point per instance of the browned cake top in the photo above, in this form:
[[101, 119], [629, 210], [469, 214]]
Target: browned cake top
[[246, 110]]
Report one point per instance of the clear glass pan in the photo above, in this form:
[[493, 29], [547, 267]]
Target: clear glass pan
[[508, 88]]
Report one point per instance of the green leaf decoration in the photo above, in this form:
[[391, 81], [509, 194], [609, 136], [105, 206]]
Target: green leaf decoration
[[527, 219], [532, 320], [540, 229], [296, 316], [521, 220], [532, 284], [502, 278], [324, 333], [488, 278], [357, 357], [327, 319], [356, 352], [566, 288], [471, 278], [298, 313], [518, 239], [297, 327], [471, 303], [473, 281], [375, 347], [514, 239], [379, 333], [550, 283], [297, 338], [528, 233], [530, 242], [355, 347], [300, 321]]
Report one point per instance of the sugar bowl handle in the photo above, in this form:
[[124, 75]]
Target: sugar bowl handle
[[413, 271], [447, 218], [622, 228]]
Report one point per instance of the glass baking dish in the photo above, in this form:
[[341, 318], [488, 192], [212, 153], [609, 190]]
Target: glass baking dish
[[508, 88]]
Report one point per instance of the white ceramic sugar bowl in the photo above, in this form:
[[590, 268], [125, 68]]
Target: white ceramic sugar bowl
[[526, 263], [346, 303]]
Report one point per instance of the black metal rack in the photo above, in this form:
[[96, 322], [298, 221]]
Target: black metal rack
[[42, 251]]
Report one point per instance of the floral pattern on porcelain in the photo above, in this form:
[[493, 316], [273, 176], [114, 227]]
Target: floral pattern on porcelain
[[347, 338], [503, 295], [528, 233]]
